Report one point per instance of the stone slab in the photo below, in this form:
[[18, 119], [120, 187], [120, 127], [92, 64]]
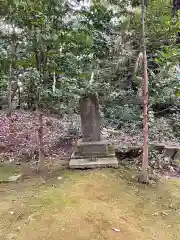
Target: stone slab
[[76, 156], [14, 178], [101, 142], [85, 163], [92, 150]]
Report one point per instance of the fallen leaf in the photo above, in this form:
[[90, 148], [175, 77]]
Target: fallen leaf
[[11, 236], [18, 228], [59, 178], [172, 169], [116, 229], [164, 213], [30, 218]]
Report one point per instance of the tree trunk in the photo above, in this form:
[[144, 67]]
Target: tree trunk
[[145, 116], [9, 90], [19, 97], [144, 176], [32, 97], [40, 144], [14, 88], [11, 65], [176, 6], [54, 82]]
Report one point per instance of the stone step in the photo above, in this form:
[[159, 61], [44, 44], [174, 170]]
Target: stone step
[[85, 163], [90, 155]]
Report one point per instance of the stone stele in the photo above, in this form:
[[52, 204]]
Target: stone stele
[[91, 151]]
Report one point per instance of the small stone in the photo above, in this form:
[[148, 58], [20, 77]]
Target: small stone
[[43, 181], [14, 178], [11, 160], [167, 159]]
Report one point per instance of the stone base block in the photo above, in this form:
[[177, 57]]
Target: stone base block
[[86, 163], [97, 148]]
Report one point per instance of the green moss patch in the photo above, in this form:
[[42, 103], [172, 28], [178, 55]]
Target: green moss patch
[[6, 171], [88, 205]]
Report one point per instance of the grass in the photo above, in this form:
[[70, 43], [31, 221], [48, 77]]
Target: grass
[[87, 205]]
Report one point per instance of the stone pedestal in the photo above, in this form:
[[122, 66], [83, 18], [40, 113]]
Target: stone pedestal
[[93, 154]]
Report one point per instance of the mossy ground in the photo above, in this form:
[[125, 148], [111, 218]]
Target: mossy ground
[[7, 171], [87, 205]]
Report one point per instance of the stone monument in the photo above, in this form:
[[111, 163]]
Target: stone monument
[[91, 151]]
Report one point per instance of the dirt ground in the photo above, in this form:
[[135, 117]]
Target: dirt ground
[[96, 205]]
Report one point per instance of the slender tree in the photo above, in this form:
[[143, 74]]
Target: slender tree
[[40, 166], [144, 175], [176, 8]]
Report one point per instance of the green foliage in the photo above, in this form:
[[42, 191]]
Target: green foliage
[[52, 44], [59, 46], [127, 112]]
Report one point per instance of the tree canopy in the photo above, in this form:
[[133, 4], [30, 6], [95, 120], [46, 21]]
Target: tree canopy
[[60, 49]]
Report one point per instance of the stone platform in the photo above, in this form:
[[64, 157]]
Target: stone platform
[[85, 163], [93, 155]]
